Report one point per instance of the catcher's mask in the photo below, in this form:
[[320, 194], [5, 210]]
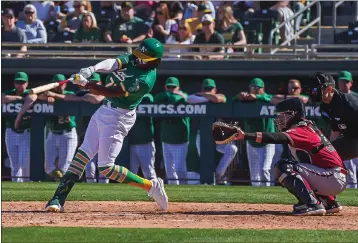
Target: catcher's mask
[[317, 84], [288, 113]]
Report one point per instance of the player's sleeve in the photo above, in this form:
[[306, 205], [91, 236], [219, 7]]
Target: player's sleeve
[[298, 137], [122, 60], [149, 97], [264, 97], [69, 92], [161, 97]]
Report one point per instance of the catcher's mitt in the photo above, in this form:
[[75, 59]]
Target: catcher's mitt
[[224, 133]]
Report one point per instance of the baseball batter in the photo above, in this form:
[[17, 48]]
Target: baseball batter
[[141, 144], [315, 174], [18, 139], [174, 134], [135, 76]]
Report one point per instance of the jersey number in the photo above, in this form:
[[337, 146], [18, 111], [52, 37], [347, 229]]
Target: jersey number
[[121, 76], [64, 119]]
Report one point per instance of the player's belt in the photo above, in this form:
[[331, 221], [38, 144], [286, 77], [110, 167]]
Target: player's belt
[[60, 132], [109, 104], [20, 131]]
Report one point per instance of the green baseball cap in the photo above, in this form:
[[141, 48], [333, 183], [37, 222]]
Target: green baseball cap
[[172, 81], [208, 82], [204, 8], [21, 76], [257, 82], [149, 50], [58, 77], [95, 77], [345, 75]]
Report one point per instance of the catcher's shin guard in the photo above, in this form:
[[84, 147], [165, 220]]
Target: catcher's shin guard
[[293, 182]]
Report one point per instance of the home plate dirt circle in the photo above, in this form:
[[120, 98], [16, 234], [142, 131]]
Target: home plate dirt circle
[[180, 215]]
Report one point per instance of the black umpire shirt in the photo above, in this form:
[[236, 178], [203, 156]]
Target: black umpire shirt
[[342, 113]]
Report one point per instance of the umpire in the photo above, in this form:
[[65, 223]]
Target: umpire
[[341, 110]]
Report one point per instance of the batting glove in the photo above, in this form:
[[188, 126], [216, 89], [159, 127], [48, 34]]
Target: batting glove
[[87, 72], [78, 79]]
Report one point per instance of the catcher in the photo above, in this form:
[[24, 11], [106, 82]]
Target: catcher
[[315, 174]]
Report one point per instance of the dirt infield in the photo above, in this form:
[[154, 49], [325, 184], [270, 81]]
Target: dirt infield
[[180, 215]]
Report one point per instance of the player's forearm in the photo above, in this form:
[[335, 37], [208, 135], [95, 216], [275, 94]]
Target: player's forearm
[[9, 98], [267, 137], [71, 97], [29, 100], [214, 98], [194, 99], [115, 91], [138, 39], [107, 65], [93, 99], [58, 96]]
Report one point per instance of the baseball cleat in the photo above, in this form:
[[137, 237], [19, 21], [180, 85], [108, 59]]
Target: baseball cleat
[[54, 206], [330, 203], [157, 192], [309, 209]]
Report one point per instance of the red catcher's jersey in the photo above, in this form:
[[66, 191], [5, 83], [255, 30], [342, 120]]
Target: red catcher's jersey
[[303, 139]]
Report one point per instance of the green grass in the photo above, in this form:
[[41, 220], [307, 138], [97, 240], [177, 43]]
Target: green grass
[[53, 235], [43, 191]]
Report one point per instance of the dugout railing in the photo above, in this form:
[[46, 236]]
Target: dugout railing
[[205, 113]]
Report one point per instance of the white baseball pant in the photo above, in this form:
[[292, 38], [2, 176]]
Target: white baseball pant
[[18, 150], [260, 164], [175, 162], [352, 168], [229, 150], [143, 155], [61, 146], [91, 172], [105, 133]]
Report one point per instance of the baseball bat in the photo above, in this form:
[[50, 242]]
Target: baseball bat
[[47, 87]]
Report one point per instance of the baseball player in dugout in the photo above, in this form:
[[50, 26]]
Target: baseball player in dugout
[[134, 76], [260, 155], [209, 93], [315, 174], [174, 133], [345, 82], [84, 94], [141, 144], [340, 110], [17, 140], [61, 141]]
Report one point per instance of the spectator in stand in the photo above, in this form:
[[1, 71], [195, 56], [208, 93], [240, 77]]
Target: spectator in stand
[[193, 8], [34, 28], [16, 6], [345, 82], [230, 28], [43, 9], [184, 36], [11, 33], [172, 25], [88, 32], [209, 36], [128, 28], [161, 18], [195, 20], [72, 21], [285, 12]]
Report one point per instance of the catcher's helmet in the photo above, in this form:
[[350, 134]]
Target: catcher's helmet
[[318, 82], [288, 113]]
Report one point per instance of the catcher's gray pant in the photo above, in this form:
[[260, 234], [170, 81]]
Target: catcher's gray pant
[[143, 155], [61, 146], [91, 172], [260, 164], [175, 162], [352, 168], [229, 150], [18, 150]]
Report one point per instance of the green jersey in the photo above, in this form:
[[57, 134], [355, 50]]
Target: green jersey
[[173, 130], [138, 82], [93, 35], [60, 123], [127, 29], [257, 124], [231, 35], [143, 130], [26, 119]]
